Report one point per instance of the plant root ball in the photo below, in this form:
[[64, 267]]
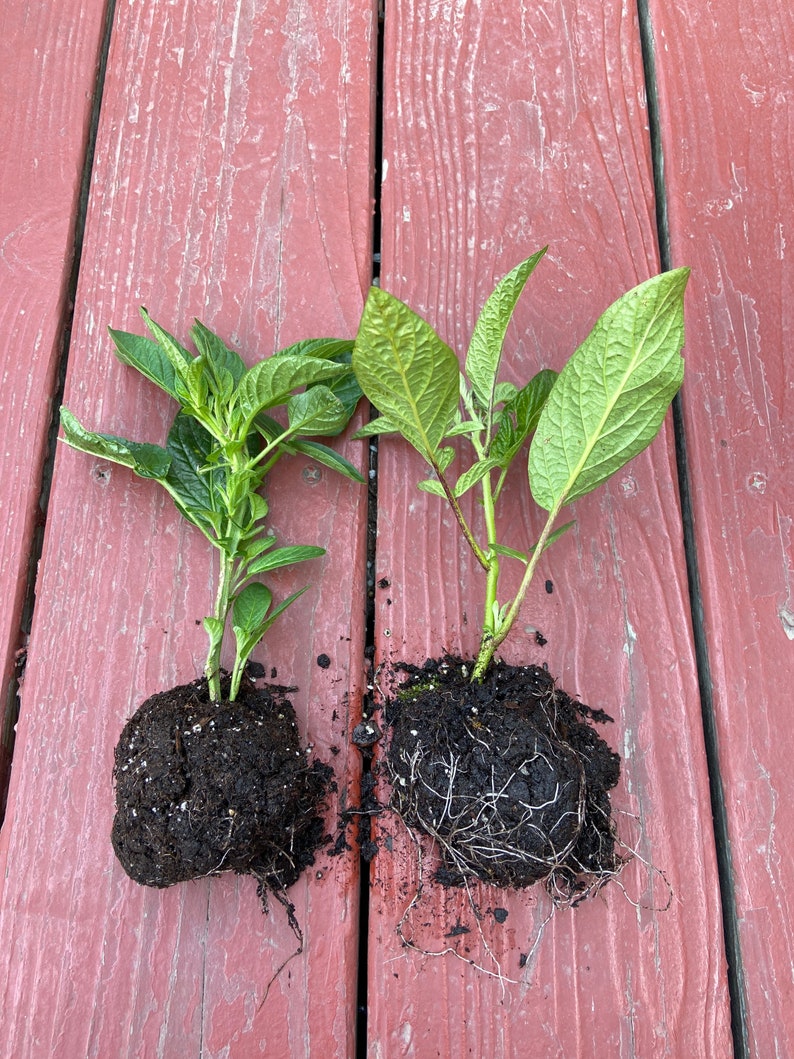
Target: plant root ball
[[507, 776], [203, 788]]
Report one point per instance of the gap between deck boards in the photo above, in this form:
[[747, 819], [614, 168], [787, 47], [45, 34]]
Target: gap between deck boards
[[729, 916]]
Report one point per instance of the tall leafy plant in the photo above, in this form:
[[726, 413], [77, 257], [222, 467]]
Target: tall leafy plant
[[605, 406], [223, 441]]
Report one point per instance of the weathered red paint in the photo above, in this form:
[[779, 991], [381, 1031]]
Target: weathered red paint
[[232, 182], [726, 79], [505, 132], [44, 134]]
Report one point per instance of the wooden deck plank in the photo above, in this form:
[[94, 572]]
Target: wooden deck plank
[[727, 88], [232, 182], [48, 67], [504, 132]]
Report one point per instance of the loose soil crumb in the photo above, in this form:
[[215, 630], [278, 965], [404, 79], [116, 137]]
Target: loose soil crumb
[[507, 776], [203, 788]]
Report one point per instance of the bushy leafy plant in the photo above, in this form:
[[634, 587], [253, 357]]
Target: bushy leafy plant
[[605, 407], [222, 444]]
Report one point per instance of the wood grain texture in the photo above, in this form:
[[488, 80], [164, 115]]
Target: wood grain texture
[[232, 182], [506, 130], [727, 89], [48, 60]]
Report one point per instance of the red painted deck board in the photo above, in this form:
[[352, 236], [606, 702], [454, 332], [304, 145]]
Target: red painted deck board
[[727, 83], [503, 134], [44, 139], [232, 182]]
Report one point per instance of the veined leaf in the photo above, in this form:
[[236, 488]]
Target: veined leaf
[[296, 553], [194, 487], [485, 350], [218, 356], [328, 458], [324, 348], [520, 417], [273, 380], [175, 352], [145, 355], [381, 425], [431, 485], [316, 412], [406, 371], [474, 474], [147, 461], [250, 607], [611, 397]]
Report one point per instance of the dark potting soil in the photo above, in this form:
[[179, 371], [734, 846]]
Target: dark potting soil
[[507, 775], [203, 788]]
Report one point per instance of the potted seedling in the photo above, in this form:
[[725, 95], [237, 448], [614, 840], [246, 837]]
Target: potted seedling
[[211, 776], [496, 763]]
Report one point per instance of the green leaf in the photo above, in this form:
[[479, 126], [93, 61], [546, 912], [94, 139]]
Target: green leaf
[[218, 356], [248, 637], [336, 349], [431, 485], [465, 427], [272, 381], [195, 487], [406, 371], [145, 355], [256, 547], [611, 397], [485, 350], [192, 389], [296, 553], [381, 425], [511, 553], [444, 457], [147, 461], [474, 474], [250, 607], [316, 412], [328, 458], [520, 417], [176, 354]]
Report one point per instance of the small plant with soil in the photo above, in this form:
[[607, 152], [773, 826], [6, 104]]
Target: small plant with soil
[[494, 762], [211, 776]]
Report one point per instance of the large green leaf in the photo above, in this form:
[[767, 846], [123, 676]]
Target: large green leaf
[[272, 381], [611, 397], [487, 340], [406, 371], [147, 461]]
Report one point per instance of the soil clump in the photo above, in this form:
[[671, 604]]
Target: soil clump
[[508, 776], [203, 788]]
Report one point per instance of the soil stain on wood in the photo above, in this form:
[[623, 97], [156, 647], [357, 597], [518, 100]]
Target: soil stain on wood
[[203, 788]]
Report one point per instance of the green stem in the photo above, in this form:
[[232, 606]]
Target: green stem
[[492, 580], [212, 670], [491, 642], [479, 554]]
